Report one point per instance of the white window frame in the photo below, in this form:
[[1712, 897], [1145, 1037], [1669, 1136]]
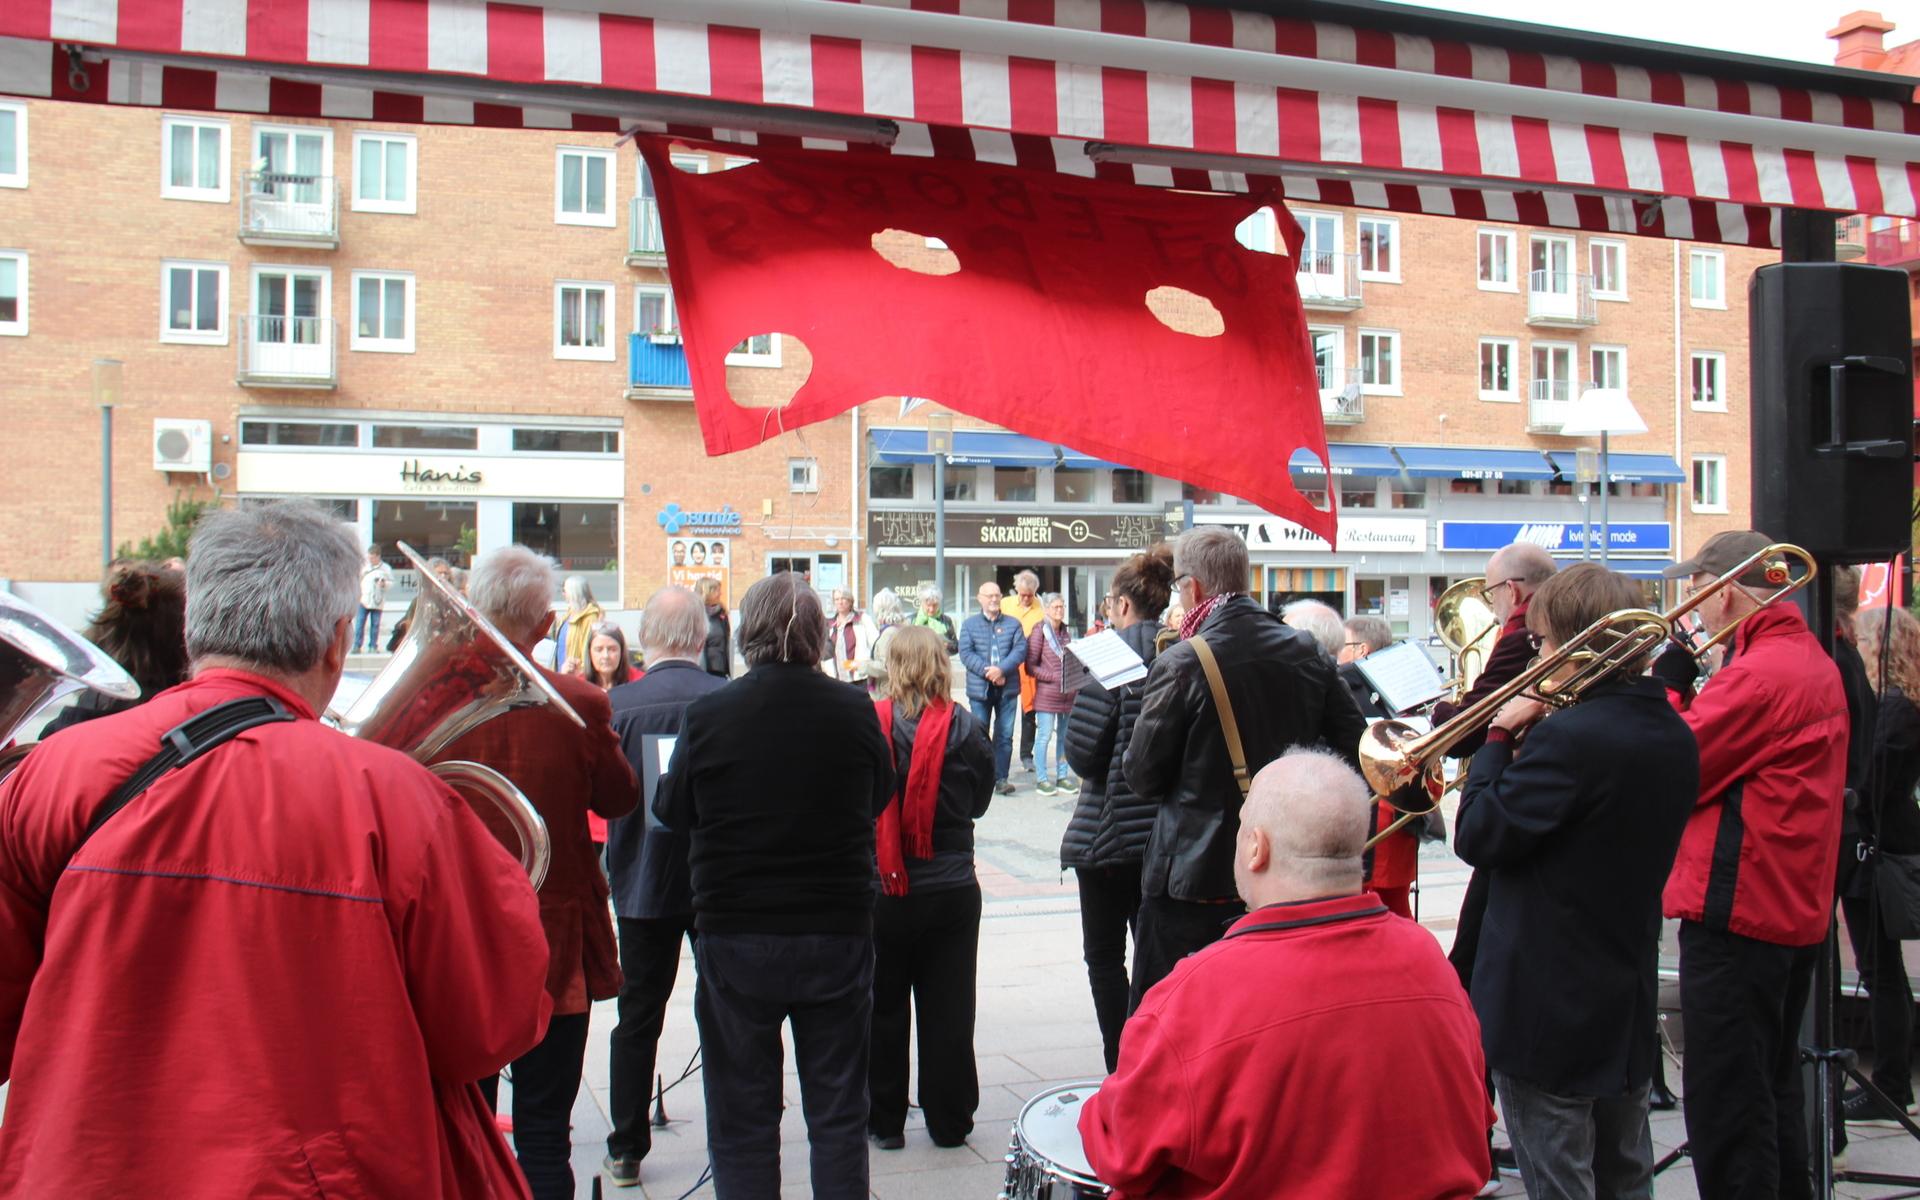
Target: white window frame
[[1570, 350], [18, 178], [18, 326], [1719, 359], [1372, 275], [381, 345], [752, 358], [803, 475], [1512, 283], [409, 205], [220, 194], [1619, 248], [1593, 377], [1390, 387], [665, 292], [605, 220], [1258, 231], [325, 132], [193, 337], [1697, 502], [1512, 347], [1301, 217], [583, 353], [1718, 261], [1337, 368]]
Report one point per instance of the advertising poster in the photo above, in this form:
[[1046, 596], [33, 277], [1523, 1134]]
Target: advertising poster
[[690, 559]]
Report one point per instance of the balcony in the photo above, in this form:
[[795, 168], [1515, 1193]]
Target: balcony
[[1340, 400], [1329, 281], [285, 209], [1561, 299], [657, 367], [1850, 238], [287, 352], [1549, 403], [1892, 243], [646, 247]]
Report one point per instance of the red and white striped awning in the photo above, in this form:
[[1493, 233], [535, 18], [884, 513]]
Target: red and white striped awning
[[1172, 94]]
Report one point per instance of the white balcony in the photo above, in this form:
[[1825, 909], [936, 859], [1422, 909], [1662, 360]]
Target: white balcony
[[282, 208], [1340, 400], [1549, 403], [646, 246], [1561, 299], [1329, 281], [288, 352]]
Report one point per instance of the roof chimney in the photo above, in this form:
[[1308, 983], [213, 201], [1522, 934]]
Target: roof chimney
[[1859, 35]]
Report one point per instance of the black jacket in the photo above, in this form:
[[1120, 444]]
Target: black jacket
[[1284, 693], [1896, 769], [1110, 823], [717, 658], [776, 780], [966, 787], [648, 867], [1364, 697], [1575, 834]]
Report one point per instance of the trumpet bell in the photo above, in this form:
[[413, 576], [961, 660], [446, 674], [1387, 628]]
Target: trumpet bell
[[42, 660]]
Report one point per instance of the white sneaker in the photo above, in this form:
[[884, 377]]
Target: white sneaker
[[1490, 1188]]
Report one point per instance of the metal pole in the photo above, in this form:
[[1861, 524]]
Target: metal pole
[[940, 525], [106, 486], [1586, 522], [1606, 489]]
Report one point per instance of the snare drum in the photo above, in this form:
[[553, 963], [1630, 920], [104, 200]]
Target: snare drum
[[1045, 1160]]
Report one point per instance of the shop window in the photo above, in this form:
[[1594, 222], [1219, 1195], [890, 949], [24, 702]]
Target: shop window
[[1016, 483], [426, 437], [1131, 487], [567, 441], [584, 539], [1359, 493], [886, 482], [1202, 495], [333, 506], [299, 433], [1465, 487], [434, 528], [1512, 487], [1072, 485], [961, 484], [1407, 493]]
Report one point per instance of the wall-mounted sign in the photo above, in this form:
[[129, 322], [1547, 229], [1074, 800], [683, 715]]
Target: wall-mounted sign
[[674, 520], [415, 477], [1357, 535], [691, 559], [1556, 537], [1123, 532], [344, 473]]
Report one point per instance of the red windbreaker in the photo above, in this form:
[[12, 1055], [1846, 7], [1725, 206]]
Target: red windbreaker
[[1758, 854], [276, 973]]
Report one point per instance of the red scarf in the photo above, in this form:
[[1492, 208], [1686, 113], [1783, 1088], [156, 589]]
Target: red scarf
[[905, 828], [1190, 624]]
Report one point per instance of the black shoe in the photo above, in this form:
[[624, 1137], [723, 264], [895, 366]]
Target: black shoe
[[1004, 787], [1504, 1160], [947, 1143], [890, 1141], [624, 1172], [1660, 1099], [1862, 1109]]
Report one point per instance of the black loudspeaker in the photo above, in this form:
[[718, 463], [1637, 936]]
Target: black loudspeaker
[[1833, 408]]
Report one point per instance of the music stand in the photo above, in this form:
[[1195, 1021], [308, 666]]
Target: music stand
[[1403, 675]]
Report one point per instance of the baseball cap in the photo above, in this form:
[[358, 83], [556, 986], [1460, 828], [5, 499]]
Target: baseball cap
[[1722, 553]]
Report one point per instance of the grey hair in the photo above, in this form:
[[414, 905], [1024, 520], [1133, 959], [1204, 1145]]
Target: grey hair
[[673, 625], [578, 594], [781, 622], [848, 593], [887, 608], [1374, 631], [1526, 562], [513, 588], [930, 590], [1047, 600], [1216, 558], [1026, 577], [1319, 620], [1314, 809], [268, 585]]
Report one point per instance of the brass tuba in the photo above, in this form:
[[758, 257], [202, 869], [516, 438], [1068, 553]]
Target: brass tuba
[[450, 674], [1465, 624], [42, 660]]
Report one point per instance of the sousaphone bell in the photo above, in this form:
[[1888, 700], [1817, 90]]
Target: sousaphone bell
[[42, 660]]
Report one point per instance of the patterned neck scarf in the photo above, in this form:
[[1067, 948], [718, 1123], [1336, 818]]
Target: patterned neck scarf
[[1190, 624]]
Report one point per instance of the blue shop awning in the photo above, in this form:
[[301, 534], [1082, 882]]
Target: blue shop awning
[[1461, 462], [980, 448], [1348, 458], [1625, 468]]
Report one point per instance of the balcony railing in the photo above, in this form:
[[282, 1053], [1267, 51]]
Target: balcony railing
[[288, 352], [1561, 298], [1894, 244], [1850, 237], [1549, 402], [657, 368], [645, 245], [287, 209], [1340, 400], [1329, 280]]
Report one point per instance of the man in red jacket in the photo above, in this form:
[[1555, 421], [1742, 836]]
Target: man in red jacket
[[1227, 1065], [279, 969], [1753, 882]]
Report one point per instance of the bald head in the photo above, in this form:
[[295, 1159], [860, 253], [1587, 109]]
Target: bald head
[[673, 625], [1301, 830]]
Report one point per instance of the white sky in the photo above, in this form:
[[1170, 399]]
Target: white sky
[[1794, 29]]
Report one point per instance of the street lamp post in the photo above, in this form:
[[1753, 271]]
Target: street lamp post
[[940, 445], [108, 375], [1603, 412]]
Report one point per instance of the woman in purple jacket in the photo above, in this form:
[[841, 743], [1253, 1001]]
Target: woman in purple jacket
[[1046, 662]]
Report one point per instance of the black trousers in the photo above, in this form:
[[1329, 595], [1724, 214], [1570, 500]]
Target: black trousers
[[1168, 931], [1029, 730], [1741, 1001], [545, 1081], [1109, 911], [749, 984], [1882, 966], [649, 963], [926, 947]]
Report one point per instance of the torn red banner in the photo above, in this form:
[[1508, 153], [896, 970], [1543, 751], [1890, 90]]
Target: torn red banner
[[1045, 328]]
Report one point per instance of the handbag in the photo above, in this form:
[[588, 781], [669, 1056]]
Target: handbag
[[1896, 881]]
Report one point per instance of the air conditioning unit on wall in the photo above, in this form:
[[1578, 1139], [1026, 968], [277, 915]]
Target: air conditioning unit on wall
[[185, 446]]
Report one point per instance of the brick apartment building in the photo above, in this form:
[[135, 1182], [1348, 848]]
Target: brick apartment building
[[462, 338]]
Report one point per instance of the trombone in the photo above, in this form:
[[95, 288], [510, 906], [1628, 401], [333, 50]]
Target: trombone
[[1394, 755]]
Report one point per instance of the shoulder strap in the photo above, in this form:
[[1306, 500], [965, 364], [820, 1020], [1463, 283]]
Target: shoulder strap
[[1229, 728]]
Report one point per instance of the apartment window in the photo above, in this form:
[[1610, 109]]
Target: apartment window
[[760, 350], [426, 437], [886, 482], [193, 159], [330, 434], [1380, 362], [1551, 260], [13, 144], [1498, 379], [1258, 231], [1709, 373], [583, 187], [1609, 367], [1552, 371], [580, 321], [13, 293], [1496, 261], [1607, 260], [383, 311], [193, 302], [803, 475], [1707, 273], [1131, 486], [1072, 485], [566, 441], [1329, 356], [383, 172], [1710, 483], [653, 313], [1016, 483], [1379, 249]]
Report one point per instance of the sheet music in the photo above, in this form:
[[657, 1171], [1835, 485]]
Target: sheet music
[[1403, 675], [1108, 659]]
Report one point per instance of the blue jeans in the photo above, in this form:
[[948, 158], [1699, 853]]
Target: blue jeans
[[1050, 746], [998, 714], [367, 620]]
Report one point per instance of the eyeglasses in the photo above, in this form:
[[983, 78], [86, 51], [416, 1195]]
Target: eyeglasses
[[1351, 645], [1180, 581], [1487, 590]]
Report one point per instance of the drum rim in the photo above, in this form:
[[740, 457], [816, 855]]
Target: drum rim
[[1065, 1172]]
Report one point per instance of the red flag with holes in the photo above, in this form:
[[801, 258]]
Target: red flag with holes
[[1045, 327]]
